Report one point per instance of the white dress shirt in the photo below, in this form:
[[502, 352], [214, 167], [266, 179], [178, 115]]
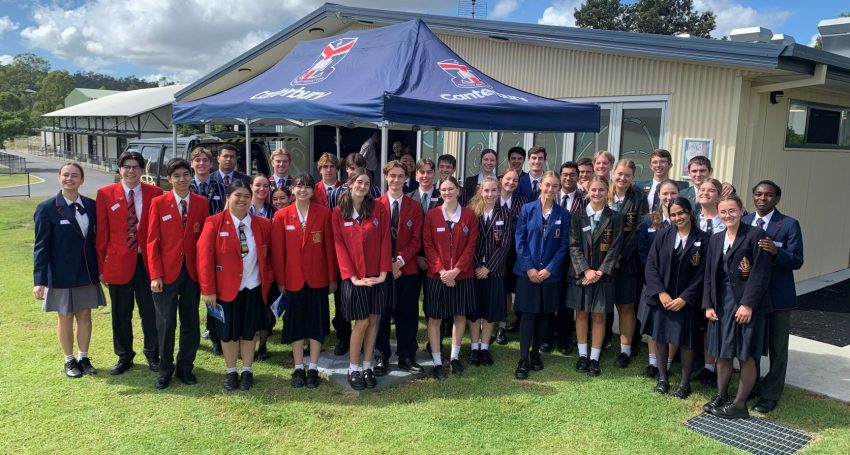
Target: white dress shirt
[[250, 263]]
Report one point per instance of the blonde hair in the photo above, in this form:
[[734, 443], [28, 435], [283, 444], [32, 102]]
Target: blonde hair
[[477, 203], [546, 175], [608, 155], [281, 152], [612, 189]]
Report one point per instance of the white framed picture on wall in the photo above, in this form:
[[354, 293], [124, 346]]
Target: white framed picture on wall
[[692, 147]]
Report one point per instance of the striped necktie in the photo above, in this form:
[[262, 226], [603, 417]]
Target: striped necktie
[[184, 211], [243, 239], [132, 222]]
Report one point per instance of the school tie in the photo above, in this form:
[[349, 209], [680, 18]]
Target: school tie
[[79, 208], [666, 223], [328, 190], [535, 185], [132, 222], [424, 200], [565, 201], [709, 227], [394, 219], [204, 187], [655, 199], [760, 223], [243, 240], [226, 181], [184, 211]]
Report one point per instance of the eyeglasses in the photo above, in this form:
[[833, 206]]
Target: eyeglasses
[[731, 212], [131, 168]]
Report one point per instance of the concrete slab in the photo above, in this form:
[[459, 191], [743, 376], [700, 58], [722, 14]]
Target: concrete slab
[[817, 367], [334, 368], [817, 283]]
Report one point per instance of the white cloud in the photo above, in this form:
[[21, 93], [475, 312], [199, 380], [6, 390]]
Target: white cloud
[[732, 15], [7, 24], [813, 40], [561, 13], [505, 8], [6, 59], [185, 39]]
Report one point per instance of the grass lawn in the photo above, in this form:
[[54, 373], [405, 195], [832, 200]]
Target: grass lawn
[[484, 411], [8, 180]]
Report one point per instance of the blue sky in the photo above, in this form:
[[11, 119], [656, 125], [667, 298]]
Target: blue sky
[[184, 39]]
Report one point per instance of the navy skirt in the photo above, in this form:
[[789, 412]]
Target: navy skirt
[[446, 302], [727, 339], [358, 302], [304, 317], [243, 316], [674, 327], [489, 300], [537, 298]]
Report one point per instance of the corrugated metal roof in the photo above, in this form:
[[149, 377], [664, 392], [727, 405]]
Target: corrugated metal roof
[[122, 104], [795, 58], [95, 92]]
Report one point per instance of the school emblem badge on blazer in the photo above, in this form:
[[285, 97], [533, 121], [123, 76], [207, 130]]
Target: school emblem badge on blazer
[[317, 236], [607, 235], [630, 221], [197, 227], [745, 267], [558, 233], [695, 259]]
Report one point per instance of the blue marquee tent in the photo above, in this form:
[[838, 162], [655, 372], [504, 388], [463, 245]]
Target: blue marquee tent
[[398, 76]]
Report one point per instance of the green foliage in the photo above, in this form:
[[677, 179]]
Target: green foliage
[[660, 17], [13, 124], [90, 79], [793, 137], [52, 90]]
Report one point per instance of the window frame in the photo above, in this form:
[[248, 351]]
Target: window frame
[[843, 124]]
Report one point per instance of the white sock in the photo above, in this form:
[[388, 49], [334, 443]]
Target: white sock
[[367, 365], [582, 349], [627, 349], [81, 355], [503, 325], [299, 366], [594, 354], [438, 358], [455, 352], [669, 363], [474, 346], [69, 357], [653, 360], [485, 346], [247, 370], [231, 370], [314, 366], [710, 367]]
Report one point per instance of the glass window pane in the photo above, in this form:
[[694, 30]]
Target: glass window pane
[[508, 141], [586, 144], [641, 131], [476, 141], [432, 144], [554, 145], [298, 149], [796, 132]]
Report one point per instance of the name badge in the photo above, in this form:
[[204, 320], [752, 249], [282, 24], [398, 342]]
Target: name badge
[[441, 229], [435, 199], [224, 234], [217, 198], [778, 244], [499, 223], [585, 229], [115, 206], [64, 222], [290, 227], [650, 229], [166, 217], [348, 223], [559, 222], [697, 243]]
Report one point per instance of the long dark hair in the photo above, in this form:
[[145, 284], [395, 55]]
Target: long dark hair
[[657, 216], [685, 204], [346, 203]]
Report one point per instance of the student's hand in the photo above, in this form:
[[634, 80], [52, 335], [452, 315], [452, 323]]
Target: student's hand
[[590, 277], [726, 189], [532, 275], [664, 298], [281, 288], [768, 245], [676, 304], [710, 314], [422, 263], [743, 315], [396, 268], [332, 287], [156, 285], [482, 272], [542, 275], [209, 300], [379, 279], [38, 292]]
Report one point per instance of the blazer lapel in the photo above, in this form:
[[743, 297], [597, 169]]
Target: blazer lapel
[[775, 225], [739, 238], [604, 219], [67, 213], [308, 226]]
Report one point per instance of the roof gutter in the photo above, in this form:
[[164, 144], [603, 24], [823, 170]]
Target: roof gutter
[[819, 78]]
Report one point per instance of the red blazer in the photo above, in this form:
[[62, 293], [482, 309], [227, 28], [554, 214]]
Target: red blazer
[[169, 241], [445, 252], [306, 255], [220, 261], [409, 239], [115, 260], [320, 195], [363, 249]]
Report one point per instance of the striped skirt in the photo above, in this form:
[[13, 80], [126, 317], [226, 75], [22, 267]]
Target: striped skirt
[[445, 302], [358, 302]]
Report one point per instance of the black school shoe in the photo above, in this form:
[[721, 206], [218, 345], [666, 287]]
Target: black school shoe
[[72, 369], [475, 357], [501, 337], [247, 380], [369, 378], [594, 369], [457, 367], [298, 378], [522, 368], [731, 411], [231, 381], [439, 372], [623, 360], [536, 361], [486, 359], [716, 401], [662, 387], [355, 380], [682, 392], [312, 379], [86, 367], [583, 364], [650, 372]]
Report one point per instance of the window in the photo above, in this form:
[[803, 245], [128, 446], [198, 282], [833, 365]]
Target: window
[[586, 144], [476, 142], [433, 144], [817, 126], [554, 145], [640, 134], [508, 141]]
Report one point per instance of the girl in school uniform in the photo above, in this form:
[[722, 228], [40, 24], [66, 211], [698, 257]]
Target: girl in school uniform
[[281, 197], [708, 195], [260, 206], [511, 202], [650, 225], [675, 270], [542, 240], [737, 305], [596, 236], [65, 273], [603, 162], [628, 201], [304, 263], [491, 251], [450, 233], [361, 228], [235, 272]]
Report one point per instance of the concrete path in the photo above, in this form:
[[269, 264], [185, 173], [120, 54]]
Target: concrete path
[[48, 170], [335, 369]]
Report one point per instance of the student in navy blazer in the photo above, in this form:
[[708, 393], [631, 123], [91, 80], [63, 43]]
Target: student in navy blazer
[[542, 240], [227, 173], [65, 272], [785, 243], [529, 183]]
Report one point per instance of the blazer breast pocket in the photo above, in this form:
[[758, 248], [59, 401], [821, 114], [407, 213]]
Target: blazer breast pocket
[[744, 262]]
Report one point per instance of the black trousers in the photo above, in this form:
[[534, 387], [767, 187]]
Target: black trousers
[[341, 326], [772, 384], [562, 323], [123, 296], [406, 316], [183, 297]]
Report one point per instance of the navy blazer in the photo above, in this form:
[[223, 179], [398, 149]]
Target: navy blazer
[[234, 176], [524, 187], [688, 283], [645, 236], [62, 257], [533, 250], [785, 233], [749, 270]]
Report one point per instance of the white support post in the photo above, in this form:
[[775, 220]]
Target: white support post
[[384, 142]]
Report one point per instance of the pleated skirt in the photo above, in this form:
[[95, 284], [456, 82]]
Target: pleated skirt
[[595, 298], [304, 317], [243, 316], [489, 300], [626, 286], [67, 301], [537, 298], [446, 302], [675, 327], [358, 302], [727, 339]]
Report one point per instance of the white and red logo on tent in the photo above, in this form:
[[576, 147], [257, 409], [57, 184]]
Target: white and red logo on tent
[[332, 54], [462, 77]]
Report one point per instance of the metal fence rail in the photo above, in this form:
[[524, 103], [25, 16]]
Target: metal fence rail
[[107, 164], [14, 165]]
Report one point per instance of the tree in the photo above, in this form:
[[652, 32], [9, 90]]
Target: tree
[[52, 90], [13, 124], [660, 17]]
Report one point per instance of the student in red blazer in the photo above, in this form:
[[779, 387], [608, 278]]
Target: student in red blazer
[[304, 263], [406, 232], [363, 248], [235, 272], [122, 219], [449, 235], [174, 224], [328, 165]]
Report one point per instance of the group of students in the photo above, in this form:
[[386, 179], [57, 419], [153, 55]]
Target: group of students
[[682, 265]]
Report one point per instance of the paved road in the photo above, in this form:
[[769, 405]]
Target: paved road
[[48, 170]]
